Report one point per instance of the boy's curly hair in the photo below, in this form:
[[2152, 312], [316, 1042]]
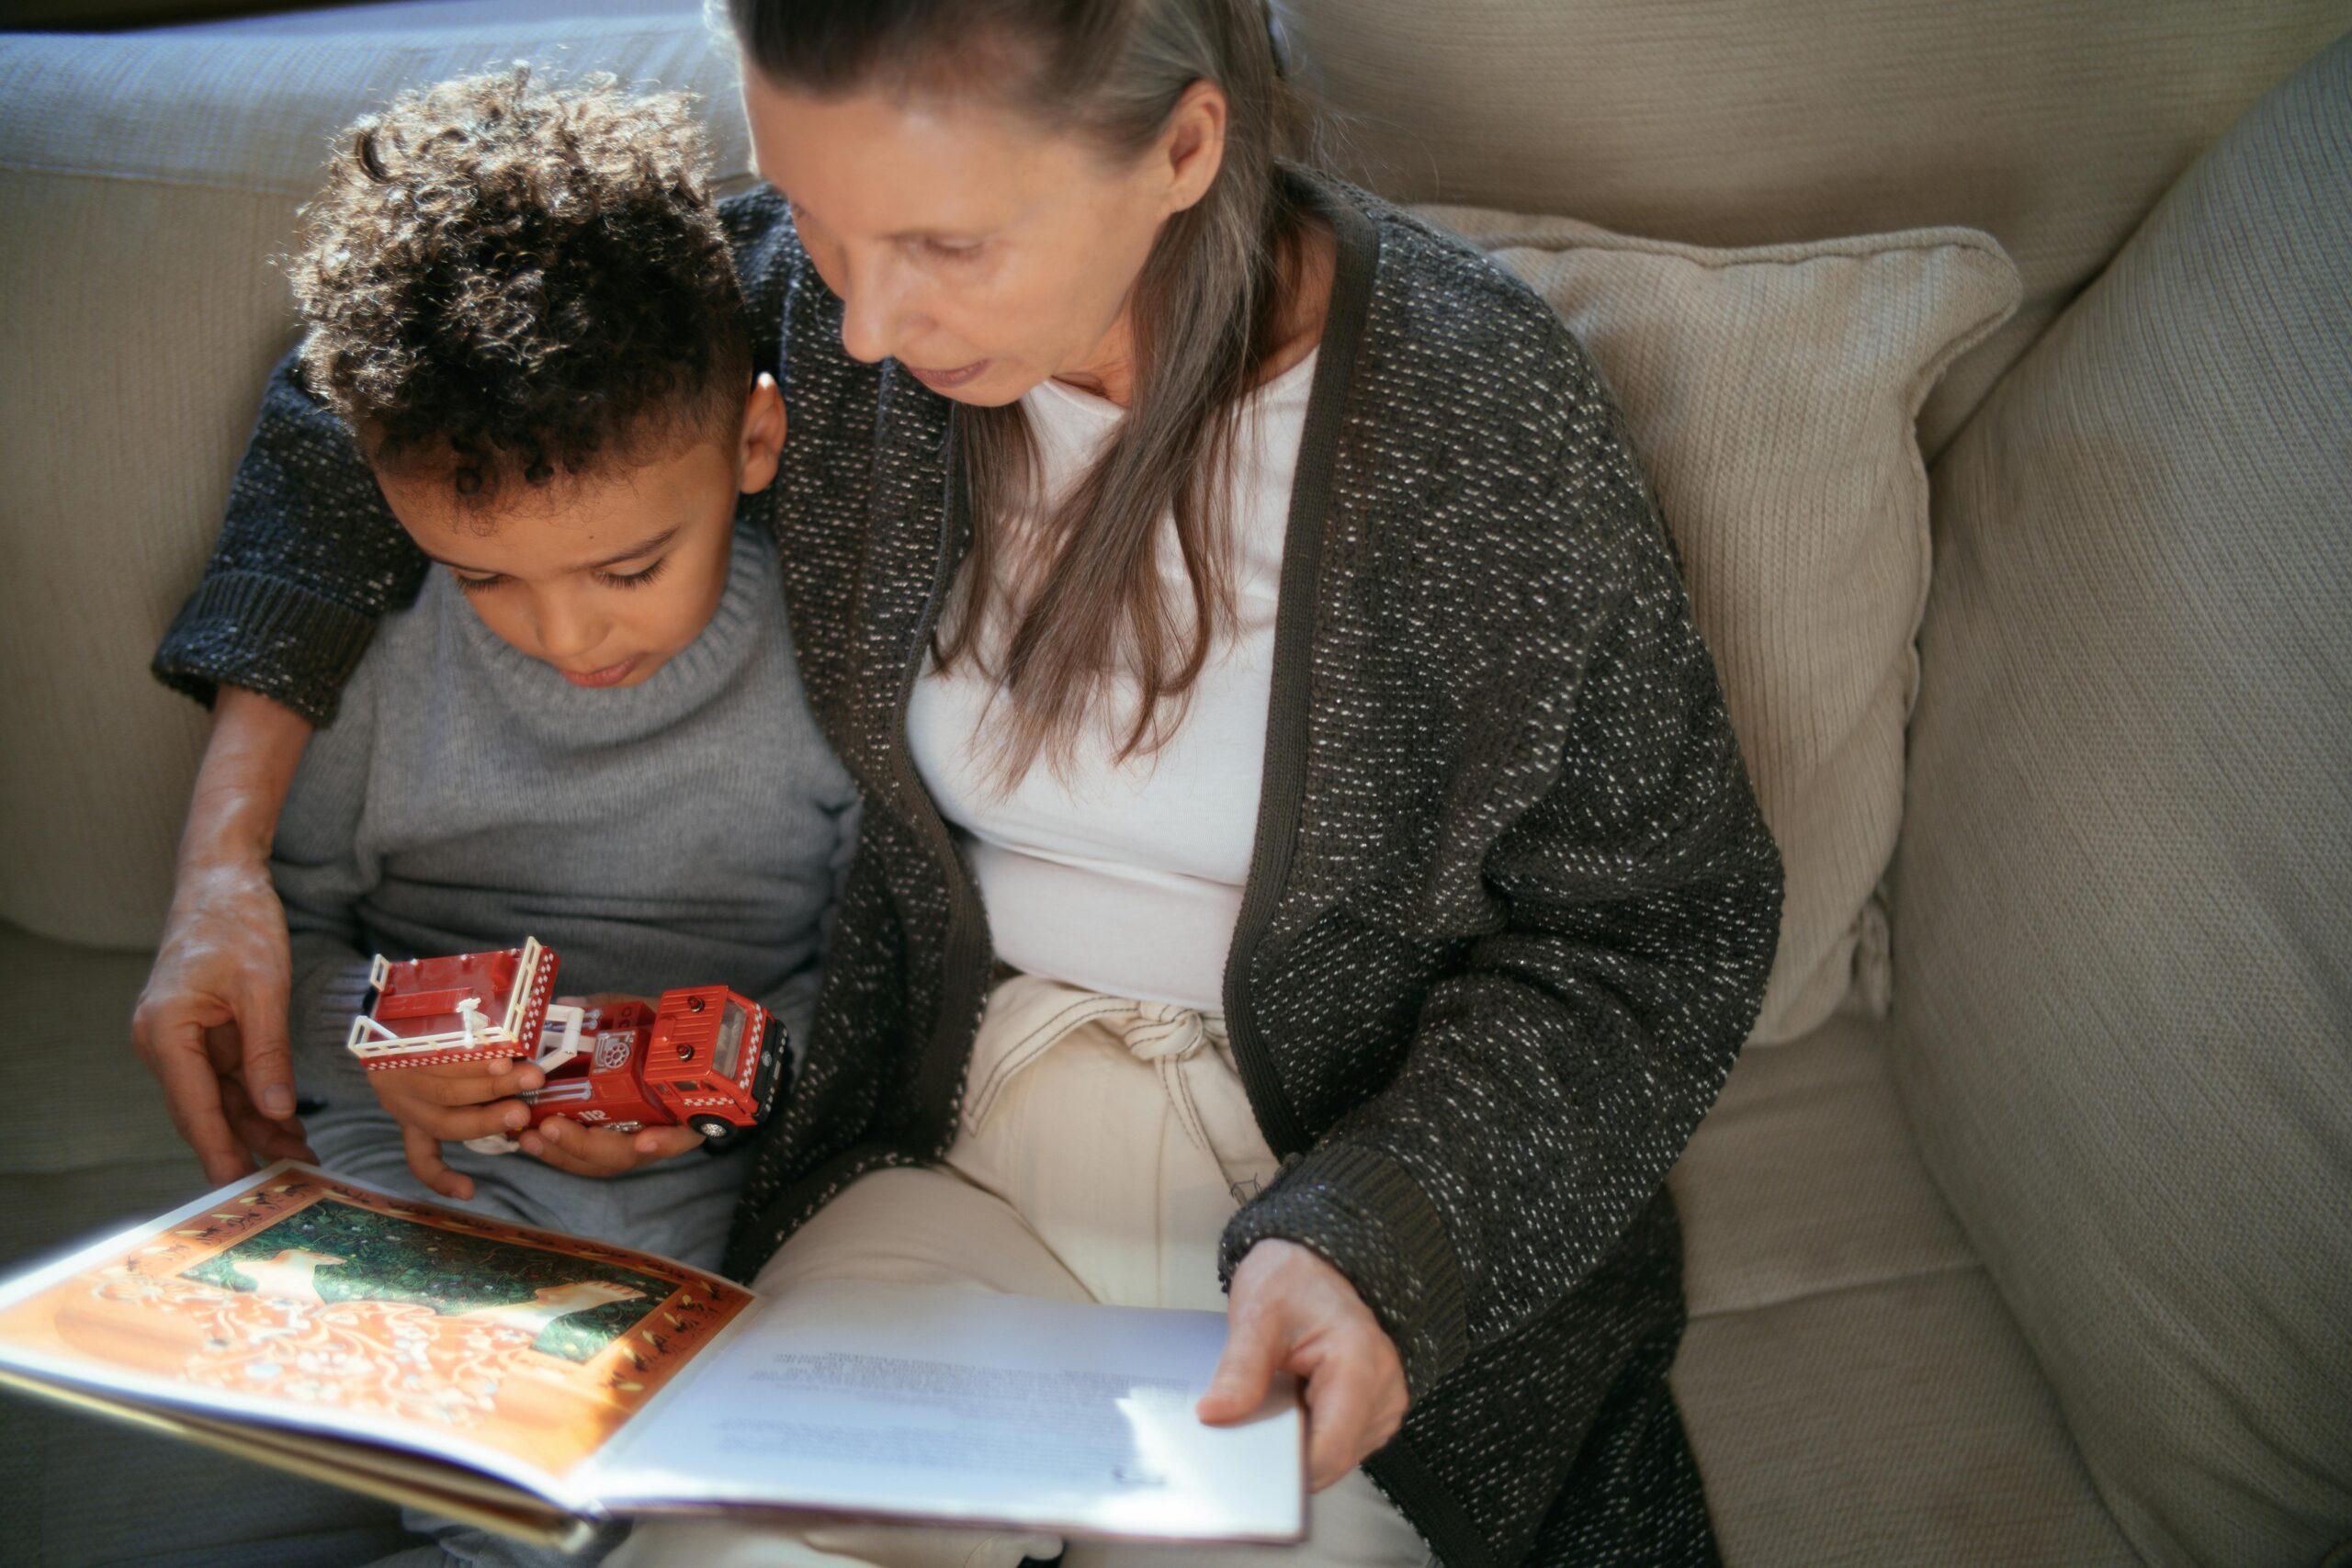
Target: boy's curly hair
[[504, 278]]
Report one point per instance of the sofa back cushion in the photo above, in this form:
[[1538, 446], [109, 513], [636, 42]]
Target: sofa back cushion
[[2123, 962], [1772, 391], [2053, 127], [147, 179]]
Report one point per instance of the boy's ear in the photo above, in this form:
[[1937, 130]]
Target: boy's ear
[[762, 443]]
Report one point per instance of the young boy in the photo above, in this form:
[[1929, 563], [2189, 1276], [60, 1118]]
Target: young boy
[[589, 728]]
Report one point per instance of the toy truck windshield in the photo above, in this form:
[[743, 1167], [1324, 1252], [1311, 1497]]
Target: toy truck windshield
[[731, 1040]]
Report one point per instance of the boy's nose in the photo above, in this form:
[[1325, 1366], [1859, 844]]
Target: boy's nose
[[566, 632]]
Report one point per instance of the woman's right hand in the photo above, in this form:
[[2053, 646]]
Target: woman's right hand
[[211, 1024]]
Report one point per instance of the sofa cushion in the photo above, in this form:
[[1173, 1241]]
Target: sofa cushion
[[1804, 1180], [1771, 393], [2054, 128], [1899, 1425], [2120, 906], [85, 1149], [1854, 1389]]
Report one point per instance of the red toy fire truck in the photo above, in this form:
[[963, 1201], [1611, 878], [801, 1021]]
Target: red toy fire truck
[[703, 1057]]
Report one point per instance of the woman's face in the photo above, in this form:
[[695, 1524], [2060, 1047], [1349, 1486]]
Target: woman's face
[[982, 252]]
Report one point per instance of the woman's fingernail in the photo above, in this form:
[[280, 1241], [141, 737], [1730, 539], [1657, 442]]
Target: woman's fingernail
[[517, 1117], [277, 1100]]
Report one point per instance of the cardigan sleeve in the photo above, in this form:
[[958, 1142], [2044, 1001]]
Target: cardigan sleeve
[[1558, 1071], [310, 556], [307, 558]]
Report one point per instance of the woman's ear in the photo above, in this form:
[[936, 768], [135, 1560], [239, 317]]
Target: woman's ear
[[1194, 145], [762, 443]]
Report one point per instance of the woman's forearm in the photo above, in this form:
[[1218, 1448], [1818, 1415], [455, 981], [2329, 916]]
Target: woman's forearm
[[211, 1024], [248, 767]]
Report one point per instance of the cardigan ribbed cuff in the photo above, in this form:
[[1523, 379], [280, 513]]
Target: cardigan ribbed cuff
[[1367, 1216], [240, 628]]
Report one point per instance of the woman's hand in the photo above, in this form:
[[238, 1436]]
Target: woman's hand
[[211, 1024], [599, 1150], [1290, 1311]]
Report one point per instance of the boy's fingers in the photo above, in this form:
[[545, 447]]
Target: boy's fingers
[[424, 1158], [565, 1147], [516, 1078], [454, 1124], [664, 1142]]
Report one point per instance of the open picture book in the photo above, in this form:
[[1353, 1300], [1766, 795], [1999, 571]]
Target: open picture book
[[535, 1382]]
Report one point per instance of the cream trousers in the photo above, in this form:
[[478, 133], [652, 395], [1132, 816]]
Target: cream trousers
[[1103, 1145]]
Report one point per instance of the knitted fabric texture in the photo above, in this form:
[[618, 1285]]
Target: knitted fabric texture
[[689, 830], [1511, 907]]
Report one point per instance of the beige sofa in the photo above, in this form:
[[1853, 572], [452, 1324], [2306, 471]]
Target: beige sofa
[[2046, 1265]]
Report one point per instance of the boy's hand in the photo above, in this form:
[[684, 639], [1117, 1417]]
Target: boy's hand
[[599, 1150], [450, 1102]]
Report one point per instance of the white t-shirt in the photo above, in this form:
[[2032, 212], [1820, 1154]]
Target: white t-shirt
[[1126, 878]]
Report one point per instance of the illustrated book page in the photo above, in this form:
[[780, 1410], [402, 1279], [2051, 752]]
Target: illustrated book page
[[525, 1380], [298, 1300]]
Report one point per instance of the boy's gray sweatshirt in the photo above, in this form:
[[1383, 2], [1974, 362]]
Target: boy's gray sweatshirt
[[693, 830]]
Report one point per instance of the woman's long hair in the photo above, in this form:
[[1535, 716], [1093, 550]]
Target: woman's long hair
[[1055, 624]]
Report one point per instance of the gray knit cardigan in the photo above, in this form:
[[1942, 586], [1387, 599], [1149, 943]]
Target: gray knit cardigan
[[1512, 906]]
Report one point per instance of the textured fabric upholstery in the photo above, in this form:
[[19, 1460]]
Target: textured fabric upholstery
[[151, 171], [1771, 393], [85, 1148], [2123, 966], [2053, 127], [1855, 1391]]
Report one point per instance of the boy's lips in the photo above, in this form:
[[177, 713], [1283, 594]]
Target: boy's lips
[[610, 676]]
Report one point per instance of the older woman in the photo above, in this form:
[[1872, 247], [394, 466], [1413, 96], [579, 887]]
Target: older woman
[[1305, 848]]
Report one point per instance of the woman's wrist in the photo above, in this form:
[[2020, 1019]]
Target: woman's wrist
[[248, 767]]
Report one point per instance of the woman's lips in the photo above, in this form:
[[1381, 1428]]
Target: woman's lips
[[945, 380], [610, 676]]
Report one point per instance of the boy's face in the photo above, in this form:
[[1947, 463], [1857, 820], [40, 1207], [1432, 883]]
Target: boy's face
[[606, 577]]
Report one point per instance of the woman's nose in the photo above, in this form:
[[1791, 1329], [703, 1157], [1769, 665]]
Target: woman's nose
[[870, 305]]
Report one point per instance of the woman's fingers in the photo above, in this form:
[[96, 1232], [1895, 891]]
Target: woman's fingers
[[1291, 1310], [264, 1136], [1339, 1410], [170, 1039], [1255, 1346], [424, 1153], [259, 1002]]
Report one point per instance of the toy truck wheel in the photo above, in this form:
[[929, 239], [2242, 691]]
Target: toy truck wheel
[[716, 1129]]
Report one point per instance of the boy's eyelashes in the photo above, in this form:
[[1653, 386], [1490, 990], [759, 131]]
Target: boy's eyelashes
[[638, 578]]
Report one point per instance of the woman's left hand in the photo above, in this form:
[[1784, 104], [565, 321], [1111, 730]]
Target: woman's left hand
[[1290, 1311]]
